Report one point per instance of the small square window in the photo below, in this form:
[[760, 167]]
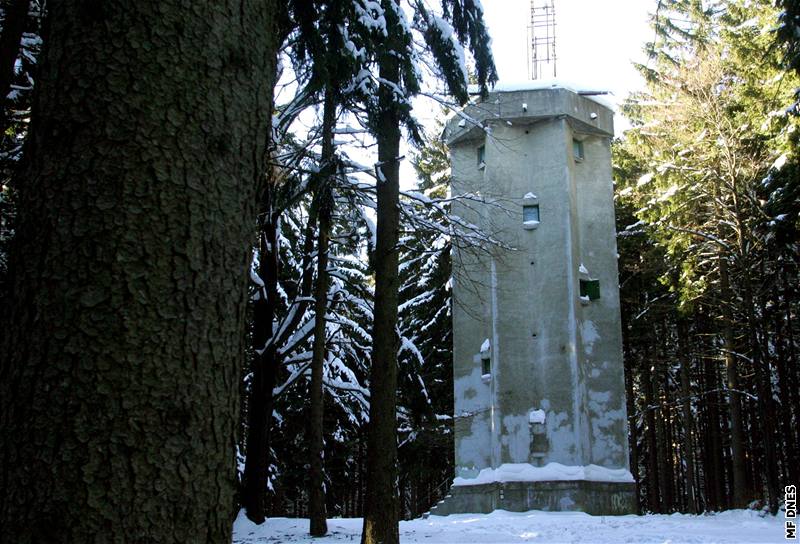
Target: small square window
[[481, 156], [590, 289], [530, 212], [577, 150]]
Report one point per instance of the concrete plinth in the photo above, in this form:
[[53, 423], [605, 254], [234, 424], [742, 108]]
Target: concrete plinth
[[596, 498]]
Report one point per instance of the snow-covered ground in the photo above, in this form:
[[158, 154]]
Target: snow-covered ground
[[536, 528]]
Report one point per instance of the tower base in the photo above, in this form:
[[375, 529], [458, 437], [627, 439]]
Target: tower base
[[596, 498]]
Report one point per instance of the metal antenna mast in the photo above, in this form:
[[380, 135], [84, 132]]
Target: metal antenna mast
[[542, 32]]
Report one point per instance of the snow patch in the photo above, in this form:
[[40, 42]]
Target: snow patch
[[541, 84], [255, 278], [534, 526], [525, 472], [589, 335], [536, 416]]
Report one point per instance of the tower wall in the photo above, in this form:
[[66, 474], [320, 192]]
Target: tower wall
[[554, 396]]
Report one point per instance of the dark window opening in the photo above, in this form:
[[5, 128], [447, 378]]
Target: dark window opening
[[577, 150], [486, 366], [590, 289], [530, 212], [481, 156]]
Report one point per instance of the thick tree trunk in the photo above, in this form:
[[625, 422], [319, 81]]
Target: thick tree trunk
[[381, 508], [316, 495], [122, 349]]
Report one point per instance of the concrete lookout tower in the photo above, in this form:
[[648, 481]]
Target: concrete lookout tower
[[540, 420]]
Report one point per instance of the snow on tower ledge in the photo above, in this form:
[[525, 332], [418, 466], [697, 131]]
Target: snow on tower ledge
[[592, 92], [587, 107], [525, 472]]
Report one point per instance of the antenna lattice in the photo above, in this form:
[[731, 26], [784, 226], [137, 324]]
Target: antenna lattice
[[542, 32]]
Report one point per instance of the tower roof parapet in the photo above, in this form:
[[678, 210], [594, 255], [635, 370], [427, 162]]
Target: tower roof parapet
[[532, 102]]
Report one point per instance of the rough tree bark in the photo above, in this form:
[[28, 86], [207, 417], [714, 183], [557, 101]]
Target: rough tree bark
[[122, 346], [381, 508]]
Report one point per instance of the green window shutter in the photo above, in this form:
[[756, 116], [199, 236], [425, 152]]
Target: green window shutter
[[577, 150]]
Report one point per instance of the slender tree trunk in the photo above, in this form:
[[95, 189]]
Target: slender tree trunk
[[741, 493], [765, 402], [633, 431], [381, 515], [15, 19], [792, 363], [714, 470], [653, 490], [264, 369], [670, 455], [788, 389], [688, 419], [663, 463], [318, 524], [706, 468], [122, 347], [266, 361]]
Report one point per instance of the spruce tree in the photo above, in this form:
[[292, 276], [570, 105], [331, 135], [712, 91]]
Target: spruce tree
[[122, 342], [714, 144], [398, 82]]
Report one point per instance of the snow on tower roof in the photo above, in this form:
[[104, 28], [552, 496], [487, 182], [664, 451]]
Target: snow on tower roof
[[522, 102], [591, 92]]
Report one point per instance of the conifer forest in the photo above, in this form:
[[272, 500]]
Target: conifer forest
[[225, 261]]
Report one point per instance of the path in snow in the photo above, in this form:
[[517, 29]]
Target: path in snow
[[534, 527]]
